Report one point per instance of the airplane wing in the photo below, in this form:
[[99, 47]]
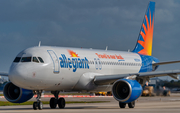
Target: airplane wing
[[110, 79], [4, 74]]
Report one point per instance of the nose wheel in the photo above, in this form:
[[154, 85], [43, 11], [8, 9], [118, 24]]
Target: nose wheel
[[38, 104], [55, 101]]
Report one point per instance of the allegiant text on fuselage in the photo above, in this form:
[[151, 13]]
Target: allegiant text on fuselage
[[73, 63]]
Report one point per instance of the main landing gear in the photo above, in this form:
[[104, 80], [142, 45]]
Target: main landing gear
[[130, 105], [38, 104], [55, 101]]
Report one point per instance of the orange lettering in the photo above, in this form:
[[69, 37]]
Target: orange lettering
[[109, 56], [98, 55], [119, 57]]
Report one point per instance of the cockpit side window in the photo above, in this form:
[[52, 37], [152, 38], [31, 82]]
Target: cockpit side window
[[26, 59], [17, 59], [40, 59], [35, 60]]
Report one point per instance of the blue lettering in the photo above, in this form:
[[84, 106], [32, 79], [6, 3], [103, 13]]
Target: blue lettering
[[73, 63], [61, 62], [70, 66], [80, 63], [65, 60], [86, 63]]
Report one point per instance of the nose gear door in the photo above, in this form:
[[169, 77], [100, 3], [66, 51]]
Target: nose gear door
[[55, 60]]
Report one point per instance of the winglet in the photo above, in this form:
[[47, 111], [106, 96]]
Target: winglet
[[145, 39]]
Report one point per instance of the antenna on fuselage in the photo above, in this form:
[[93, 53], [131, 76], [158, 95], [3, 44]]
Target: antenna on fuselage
[[39, 43], [106, 48]]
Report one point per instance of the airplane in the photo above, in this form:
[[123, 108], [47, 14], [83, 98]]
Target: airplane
[[57, 69]]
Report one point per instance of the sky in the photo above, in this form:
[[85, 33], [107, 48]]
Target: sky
[[87, 24]]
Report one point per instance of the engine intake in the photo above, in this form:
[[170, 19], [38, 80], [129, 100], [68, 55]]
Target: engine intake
[[14, 94], [126, 90]]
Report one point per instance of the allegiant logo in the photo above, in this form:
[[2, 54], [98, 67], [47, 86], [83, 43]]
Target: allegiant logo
[[73, 63]]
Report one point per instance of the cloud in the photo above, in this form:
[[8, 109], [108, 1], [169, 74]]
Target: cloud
[[87, 24]]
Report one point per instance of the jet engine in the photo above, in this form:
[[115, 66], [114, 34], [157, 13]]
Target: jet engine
[[15, 94], [126, 90]]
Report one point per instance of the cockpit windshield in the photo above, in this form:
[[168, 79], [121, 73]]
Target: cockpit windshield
[[26, 59], [35, 60], [29, 59], [40, 59], [17, 59]]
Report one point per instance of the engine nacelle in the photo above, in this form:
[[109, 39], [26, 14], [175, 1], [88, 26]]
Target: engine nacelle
[[126, 90], [15, 94]]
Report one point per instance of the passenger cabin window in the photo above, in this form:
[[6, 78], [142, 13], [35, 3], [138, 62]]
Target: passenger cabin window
[[40, 59], [35, 60], [17, 59], [26, 59]]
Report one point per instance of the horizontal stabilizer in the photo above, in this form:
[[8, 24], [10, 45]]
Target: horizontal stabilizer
[[163, 63]]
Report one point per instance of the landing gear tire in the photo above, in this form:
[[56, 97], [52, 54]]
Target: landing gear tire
[[35, 105], [53, 103], [131, 104], [61, 103], [40, 105], [122, 105]]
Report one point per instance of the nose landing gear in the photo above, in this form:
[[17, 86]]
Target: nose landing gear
[[38, 104]]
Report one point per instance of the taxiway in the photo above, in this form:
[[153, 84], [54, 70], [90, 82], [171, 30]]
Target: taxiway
[[143, 104]]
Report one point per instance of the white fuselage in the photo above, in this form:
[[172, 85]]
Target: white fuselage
[[69, 69]]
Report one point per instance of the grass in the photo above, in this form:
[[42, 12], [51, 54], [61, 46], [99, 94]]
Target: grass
[[47, 93], [5, 103], [63, 94], [68, 94]]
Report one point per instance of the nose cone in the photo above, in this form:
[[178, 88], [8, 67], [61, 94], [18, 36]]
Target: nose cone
[[18, 74]]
